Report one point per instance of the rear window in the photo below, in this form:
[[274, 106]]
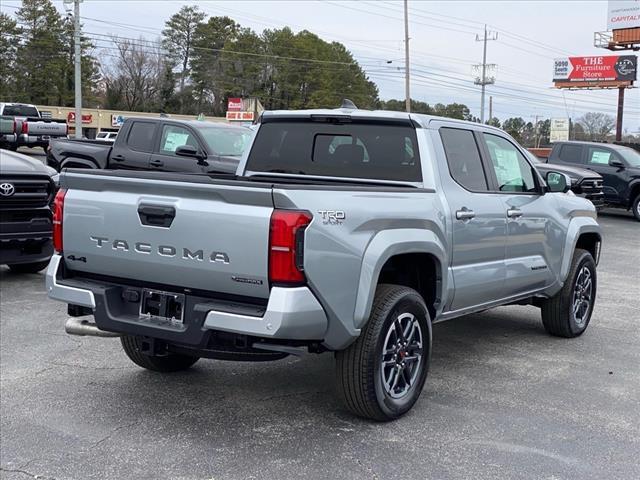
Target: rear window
[[571, 153], [20, 111], [351, 150], [141, 136]]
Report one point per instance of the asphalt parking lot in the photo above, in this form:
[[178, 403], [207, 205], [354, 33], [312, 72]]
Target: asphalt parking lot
[[503, 400]]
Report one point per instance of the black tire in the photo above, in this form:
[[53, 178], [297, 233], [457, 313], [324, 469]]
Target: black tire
[[558, 315], [359, 368], [29, 267], [13, 148], [635, 207], [172, 362]]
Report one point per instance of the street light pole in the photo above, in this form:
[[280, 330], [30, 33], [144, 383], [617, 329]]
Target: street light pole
[[407, 82], [78, 68]]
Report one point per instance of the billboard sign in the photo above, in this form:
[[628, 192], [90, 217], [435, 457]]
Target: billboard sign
[[234, 104], [240, 116], [559, 130], [596, 69], [623, 14]]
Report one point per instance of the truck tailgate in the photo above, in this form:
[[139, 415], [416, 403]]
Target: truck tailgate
[[188, 231], [52, 128]]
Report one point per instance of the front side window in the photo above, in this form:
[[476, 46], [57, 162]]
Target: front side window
[[174, 137], [513, 172], [226, 142], [463, 157], [599, 156]]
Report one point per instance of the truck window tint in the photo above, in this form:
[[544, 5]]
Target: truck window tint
[[141, 136], [513, 172], [20, 111], [463, 158], [372, 151], [599, 156], [571, 153], [174, 137]]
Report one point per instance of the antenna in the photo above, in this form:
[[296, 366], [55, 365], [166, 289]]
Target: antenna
[[348, 104]]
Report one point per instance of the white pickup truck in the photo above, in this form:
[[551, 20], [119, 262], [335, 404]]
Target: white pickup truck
[[29, 128]]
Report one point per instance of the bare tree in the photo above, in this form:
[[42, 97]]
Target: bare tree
[[596, 125], [135, 78]]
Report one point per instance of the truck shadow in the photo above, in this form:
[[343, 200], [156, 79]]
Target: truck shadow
[[235, 400]]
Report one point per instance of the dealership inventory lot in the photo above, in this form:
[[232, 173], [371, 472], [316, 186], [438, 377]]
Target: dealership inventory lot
[[503, 400]]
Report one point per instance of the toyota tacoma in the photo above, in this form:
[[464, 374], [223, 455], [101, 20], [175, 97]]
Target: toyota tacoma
[[344, 230]]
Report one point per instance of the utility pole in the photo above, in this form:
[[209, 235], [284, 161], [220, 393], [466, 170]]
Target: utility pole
[[490, 107], [620, 112], [484, 79], [407, 82], [78, 67]]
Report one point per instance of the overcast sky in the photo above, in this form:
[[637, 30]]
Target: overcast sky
[[530, 34]]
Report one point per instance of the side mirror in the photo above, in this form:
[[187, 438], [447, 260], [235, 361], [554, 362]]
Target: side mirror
[[616, 162], [558, 182], [192, 152]]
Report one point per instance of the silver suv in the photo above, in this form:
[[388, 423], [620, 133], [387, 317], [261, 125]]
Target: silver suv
[[344, 230]]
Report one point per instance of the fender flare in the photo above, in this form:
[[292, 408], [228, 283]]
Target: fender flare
[[633, 185], [577, 227], [78, 161], [382, 247]]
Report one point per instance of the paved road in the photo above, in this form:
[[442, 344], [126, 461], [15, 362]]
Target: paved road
[[503, 400]]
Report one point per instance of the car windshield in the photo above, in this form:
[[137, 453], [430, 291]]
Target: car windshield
[[20, 111], [631, 156], [228, 142]]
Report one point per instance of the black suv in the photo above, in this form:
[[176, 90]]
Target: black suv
[[27, 188], [618, 165]]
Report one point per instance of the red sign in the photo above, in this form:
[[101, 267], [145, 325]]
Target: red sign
[[71, 118], [240, 116], [234, 104], [596, 69]]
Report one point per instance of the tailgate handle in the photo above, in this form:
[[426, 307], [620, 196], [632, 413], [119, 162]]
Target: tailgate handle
[[156, 215]]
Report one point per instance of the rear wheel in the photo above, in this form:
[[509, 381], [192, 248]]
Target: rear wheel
[[29, 267], [568, 313], [381, 375], [635, 207], [171, 362]]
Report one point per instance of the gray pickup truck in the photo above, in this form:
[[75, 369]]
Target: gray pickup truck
[[344, 230], [30, 129]]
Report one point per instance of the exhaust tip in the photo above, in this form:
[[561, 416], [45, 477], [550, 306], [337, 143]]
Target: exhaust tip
[[85, 328]]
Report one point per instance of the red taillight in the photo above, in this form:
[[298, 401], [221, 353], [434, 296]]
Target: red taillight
[[25, 127], [286, 239], [58, 212], [15, 127]]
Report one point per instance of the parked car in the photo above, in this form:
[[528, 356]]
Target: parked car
[[107, 136], [345, 230], [584, 183], [161, 144], [27, 188], [30, 129], [618, 165]]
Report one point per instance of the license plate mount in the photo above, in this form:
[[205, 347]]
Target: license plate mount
[[161, 305]]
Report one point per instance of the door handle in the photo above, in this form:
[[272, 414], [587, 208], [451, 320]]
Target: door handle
[[156, 163], [156, 215], [118, 158], [514, 213], [465, 214]]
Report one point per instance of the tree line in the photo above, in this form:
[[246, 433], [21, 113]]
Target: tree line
[[198, 62]]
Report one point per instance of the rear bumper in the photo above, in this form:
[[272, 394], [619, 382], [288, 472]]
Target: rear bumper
[[290, 314]]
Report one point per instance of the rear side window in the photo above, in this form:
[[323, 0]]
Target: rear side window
[[571, 153], [351, 150], [141, 136], [463, 158]]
